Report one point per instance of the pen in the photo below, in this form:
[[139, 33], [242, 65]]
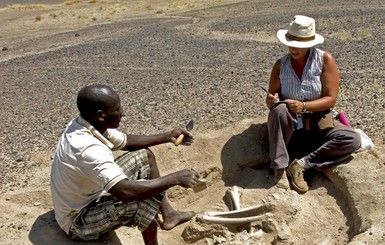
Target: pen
[[264, 89], [279, 101]]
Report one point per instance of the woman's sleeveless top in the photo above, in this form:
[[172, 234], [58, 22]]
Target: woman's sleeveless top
[[309, 86]]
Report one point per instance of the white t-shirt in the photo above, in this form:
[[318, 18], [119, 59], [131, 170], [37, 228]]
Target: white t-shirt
[[83, 168]]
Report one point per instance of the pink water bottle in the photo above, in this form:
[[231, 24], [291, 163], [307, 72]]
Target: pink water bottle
[[342, 118]]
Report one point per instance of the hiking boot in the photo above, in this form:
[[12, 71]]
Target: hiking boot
[[295, 171], [280, 179]]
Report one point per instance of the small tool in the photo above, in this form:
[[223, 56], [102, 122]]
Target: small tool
[[200, 185], [264, 90], [189, 127], [278, 101]]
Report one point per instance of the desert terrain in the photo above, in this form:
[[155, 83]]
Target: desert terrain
[[175, 60]]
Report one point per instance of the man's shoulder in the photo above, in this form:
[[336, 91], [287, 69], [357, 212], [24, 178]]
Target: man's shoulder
[[79, 138]]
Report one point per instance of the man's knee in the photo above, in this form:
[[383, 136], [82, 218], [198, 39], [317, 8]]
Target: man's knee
[[150, 156]]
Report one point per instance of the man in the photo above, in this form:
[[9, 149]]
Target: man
[[92, 192]]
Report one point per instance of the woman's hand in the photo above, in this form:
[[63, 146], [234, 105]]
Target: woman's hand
[[271, 100], [294, 106]]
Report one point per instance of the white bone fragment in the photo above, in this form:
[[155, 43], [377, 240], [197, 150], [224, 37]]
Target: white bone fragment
[[234, 195], [243, 212], [223, 220], [258, 234]]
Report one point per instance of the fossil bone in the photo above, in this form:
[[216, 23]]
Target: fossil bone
[[257, 234], [234, 195], [244, 215], [236, 220], [239, 215]]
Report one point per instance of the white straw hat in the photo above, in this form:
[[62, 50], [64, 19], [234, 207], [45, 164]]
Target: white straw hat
[[301, 33]]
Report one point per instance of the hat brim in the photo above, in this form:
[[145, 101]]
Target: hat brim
[[281, 34]]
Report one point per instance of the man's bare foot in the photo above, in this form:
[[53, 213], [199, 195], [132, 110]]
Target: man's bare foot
[[176, 218]]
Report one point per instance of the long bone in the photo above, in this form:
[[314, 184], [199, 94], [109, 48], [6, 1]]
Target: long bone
[[234, 195], [237, 216]]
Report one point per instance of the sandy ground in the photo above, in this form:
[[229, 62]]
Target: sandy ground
[[52, 48]]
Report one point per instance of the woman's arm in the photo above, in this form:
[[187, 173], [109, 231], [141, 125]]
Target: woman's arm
[[274, 85], [330, 80], [330, 85]]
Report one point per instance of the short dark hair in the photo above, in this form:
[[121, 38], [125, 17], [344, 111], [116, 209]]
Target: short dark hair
[[93, 98]]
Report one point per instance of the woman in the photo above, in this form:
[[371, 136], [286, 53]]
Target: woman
[[304, 84]]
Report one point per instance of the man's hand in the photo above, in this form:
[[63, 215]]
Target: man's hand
[[188, 138], [187, 178]]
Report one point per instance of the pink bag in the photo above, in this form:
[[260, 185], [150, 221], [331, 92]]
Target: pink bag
[[342, 118]]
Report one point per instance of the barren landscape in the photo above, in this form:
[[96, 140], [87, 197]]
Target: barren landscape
[[175, 60]]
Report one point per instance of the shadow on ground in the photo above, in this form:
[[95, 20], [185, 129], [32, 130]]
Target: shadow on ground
[[46, 231], [246, 154]]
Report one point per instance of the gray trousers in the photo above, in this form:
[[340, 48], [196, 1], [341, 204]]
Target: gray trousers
[[319, 149]]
